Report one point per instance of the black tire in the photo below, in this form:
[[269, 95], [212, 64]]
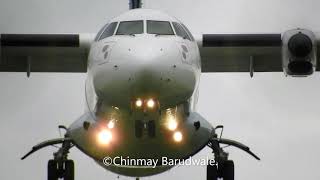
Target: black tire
[[228, 170], [212, 172], [52, 170], [68, 170]]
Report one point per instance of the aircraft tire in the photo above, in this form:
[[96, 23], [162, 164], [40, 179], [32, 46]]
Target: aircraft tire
[[69, 170], [212, 172], [52, 170], [227, 170]]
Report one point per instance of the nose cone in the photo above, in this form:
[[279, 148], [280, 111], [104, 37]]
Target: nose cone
[[144, 67]]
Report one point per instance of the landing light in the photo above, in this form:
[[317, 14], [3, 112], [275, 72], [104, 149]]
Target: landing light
[[111, 124], [172, 124], [177, 136], [104, 137], [139, 103], [150, 103]]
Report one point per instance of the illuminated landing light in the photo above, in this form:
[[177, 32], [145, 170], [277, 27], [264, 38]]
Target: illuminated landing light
[[150, 103], [111, 124], [104, 137], [139, 103], [177, 136], [172, 124]]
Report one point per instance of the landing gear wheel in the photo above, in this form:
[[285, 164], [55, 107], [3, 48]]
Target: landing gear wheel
[[69, 170], [59, 167], [225, 166], [52, 170], [212, 172], [227, 170]]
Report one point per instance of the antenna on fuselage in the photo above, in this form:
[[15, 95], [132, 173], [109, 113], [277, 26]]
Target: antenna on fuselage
[[135, 4]]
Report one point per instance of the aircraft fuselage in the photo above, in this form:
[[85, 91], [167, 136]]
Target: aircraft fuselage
[[141, 93]]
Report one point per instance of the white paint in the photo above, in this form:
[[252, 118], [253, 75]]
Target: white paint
[[266, 112]]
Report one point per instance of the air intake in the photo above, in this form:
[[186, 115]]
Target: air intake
[[300, 68]]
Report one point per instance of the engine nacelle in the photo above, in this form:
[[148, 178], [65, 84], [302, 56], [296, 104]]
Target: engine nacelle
[[299, 52]]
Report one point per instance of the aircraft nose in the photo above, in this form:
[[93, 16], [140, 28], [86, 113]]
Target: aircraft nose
[[149, 68]]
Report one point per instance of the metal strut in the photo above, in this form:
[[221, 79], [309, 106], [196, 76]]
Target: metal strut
[[236, 144], [251, 66], [66, 145], [220, 154]]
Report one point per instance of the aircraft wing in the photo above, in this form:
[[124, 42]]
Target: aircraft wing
[[260, 52], [44, 52]]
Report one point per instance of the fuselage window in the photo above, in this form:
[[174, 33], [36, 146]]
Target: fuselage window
[[180, 31], [109, 30], [99, 33], [159, 28], [130, 28], [189, 33]]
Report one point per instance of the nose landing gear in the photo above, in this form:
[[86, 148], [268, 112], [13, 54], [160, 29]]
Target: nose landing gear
[[223, 167], [60, 166], [63, 170]]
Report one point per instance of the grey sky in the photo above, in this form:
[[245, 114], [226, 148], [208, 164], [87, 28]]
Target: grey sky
[[277, 116]]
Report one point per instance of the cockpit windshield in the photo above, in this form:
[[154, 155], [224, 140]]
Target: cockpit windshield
[[180, 31], [130, 28], [109, 30], [159, 28], [137, 27], [106, 31]]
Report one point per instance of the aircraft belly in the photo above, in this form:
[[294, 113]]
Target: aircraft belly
[[127, 145]]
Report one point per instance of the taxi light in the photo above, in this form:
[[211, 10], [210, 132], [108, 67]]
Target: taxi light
[[139, 103], [104, 137], [172, 124], [111, 124], [150, 103], [177, 136]]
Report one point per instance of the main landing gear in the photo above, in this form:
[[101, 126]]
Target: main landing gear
[[60, 166], [222, 166]]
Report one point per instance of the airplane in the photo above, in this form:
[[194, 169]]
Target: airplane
[[143, 70]]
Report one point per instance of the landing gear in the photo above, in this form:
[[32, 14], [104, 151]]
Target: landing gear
[[227, 170], [69, 170], [60, 167], [212, 172], [57, 170], [224, 171], [52, 170], [223, 167]]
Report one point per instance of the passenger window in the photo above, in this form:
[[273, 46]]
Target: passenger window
[[159, 27], [99, 33], [109, 31], [180, 31], [189, 33], [130, 27]]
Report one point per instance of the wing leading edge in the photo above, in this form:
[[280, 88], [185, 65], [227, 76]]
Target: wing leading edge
[[250, 52], [44, 52]]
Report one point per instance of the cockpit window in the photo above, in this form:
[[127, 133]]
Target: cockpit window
[[130, 27], [189, 33], [99, 33], [109, 30], [180, 31], [159, 27]]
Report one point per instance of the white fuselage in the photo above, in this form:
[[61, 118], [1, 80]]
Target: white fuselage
[[125, 73]]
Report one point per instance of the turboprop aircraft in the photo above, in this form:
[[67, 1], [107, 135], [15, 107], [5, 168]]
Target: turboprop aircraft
[[143, 69]]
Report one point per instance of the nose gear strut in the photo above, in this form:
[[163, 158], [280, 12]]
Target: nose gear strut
[[60, 166], [223, 167]]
